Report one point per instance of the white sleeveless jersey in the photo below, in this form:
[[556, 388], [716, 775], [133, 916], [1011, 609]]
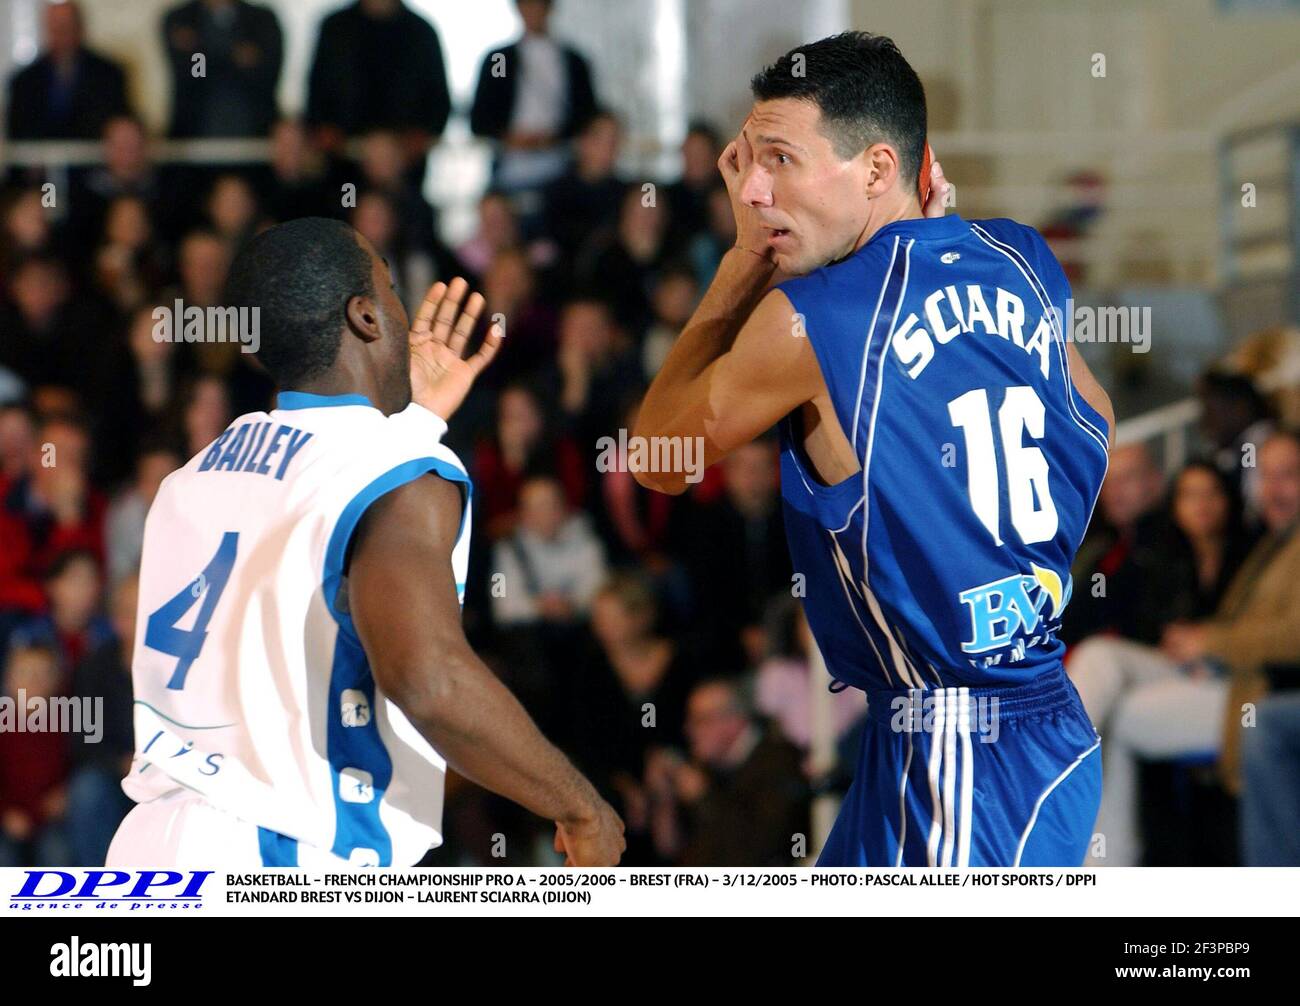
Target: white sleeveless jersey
[[251, 686]]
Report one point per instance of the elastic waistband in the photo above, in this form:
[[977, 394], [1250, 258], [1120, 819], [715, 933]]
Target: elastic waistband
[[1047, 693]]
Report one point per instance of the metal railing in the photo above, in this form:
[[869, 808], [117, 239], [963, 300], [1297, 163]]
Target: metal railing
[[1186, 245], [1170, 426]]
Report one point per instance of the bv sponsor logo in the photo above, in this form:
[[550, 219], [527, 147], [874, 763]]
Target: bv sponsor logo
[[1012, 608]]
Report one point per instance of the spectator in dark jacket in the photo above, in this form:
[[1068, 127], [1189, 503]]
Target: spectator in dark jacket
[[96, 803], [689, 195], [379, 65], [1207, 546], [587, 197], [532, 95], [293, 183], [1236, 419], [51, 336], [128, 170], [1125, 534], [67, 92], [71, 624], [741, 800], [1173, 565], [623, 260], [628, 689], [737, 558], [242, 51]]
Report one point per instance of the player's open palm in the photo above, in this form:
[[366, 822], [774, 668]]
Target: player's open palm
[[734, 164], [441, 374], [596, 842]]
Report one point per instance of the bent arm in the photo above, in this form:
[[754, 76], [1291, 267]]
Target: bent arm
[[740, 365], [1091, 390], [402, 596]]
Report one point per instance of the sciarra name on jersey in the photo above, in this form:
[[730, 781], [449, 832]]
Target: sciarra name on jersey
[[951, 311], [252, 447]]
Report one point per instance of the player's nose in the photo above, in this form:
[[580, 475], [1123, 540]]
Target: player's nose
[[756, 187]]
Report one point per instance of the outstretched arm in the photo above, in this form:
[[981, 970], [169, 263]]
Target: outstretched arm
[[402, 596]]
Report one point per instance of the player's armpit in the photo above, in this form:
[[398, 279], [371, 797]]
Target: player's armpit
[[769, 370], [1091, 390], [403, 600]]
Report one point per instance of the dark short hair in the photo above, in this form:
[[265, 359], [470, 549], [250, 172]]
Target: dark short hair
[[128, 117], [1291, 433], [66, 559], [1228, 386], [701, 127], [601, 112], [300, 275], [40, 258], [866, 91]]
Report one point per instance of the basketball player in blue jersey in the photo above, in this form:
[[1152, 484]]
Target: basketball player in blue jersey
[[942, 450]]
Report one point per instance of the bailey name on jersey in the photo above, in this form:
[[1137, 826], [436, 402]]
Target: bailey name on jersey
[[251, 447], [950, 312]]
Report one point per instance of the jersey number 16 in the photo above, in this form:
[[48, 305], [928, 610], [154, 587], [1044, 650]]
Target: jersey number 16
[[1033, 514]]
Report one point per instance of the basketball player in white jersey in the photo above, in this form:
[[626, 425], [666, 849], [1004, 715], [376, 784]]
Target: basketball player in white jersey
[[300, 673]]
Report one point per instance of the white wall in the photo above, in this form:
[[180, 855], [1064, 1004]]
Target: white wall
[[1013, 95]]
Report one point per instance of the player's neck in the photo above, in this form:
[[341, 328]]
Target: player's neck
[[346, 383], [889, 209]]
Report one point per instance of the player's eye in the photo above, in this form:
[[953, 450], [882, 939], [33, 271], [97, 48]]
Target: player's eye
[[783, 159]]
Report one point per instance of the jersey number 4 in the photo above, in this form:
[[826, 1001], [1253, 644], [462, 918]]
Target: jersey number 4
[[1033, 514], [161, 632]]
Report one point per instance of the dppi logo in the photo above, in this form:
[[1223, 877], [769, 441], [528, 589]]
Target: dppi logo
[[145, 889], [1004, 609]]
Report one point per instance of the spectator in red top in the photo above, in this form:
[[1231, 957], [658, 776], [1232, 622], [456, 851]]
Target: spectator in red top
[[521, 447], [1128, 524], [33, 767], [47, 511], [72, 624], [17, 435], [510, 288]]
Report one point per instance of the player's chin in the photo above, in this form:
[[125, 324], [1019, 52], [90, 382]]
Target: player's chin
[[792, 263]]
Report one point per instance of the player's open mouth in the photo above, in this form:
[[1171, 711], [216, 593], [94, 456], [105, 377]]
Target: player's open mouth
[[776, 234]]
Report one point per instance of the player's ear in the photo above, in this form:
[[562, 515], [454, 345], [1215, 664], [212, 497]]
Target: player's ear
[[881, 161], [363, 317]]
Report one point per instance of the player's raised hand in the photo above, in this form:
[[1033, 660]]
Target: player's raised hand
[[441, 375], [734, 164], [937, 202], [596, 841]]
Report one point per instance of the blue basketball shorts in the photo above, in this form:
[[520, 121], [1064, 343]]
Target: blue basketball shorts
[[999, 776]]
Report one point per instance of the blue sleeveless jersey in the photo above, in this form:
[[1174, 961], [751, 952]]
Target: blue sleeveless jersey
[[946, 560]]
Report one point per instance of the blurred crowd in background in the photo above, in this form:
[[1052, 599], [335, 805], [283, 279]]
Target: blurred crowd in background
[[656, 639]]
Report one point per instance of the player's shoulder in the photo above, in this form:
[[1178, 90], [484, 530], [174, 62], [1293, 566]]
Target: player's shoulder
[[846, 272], [421, 432], [1022, 244], [1009, 232], [393, 450]]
